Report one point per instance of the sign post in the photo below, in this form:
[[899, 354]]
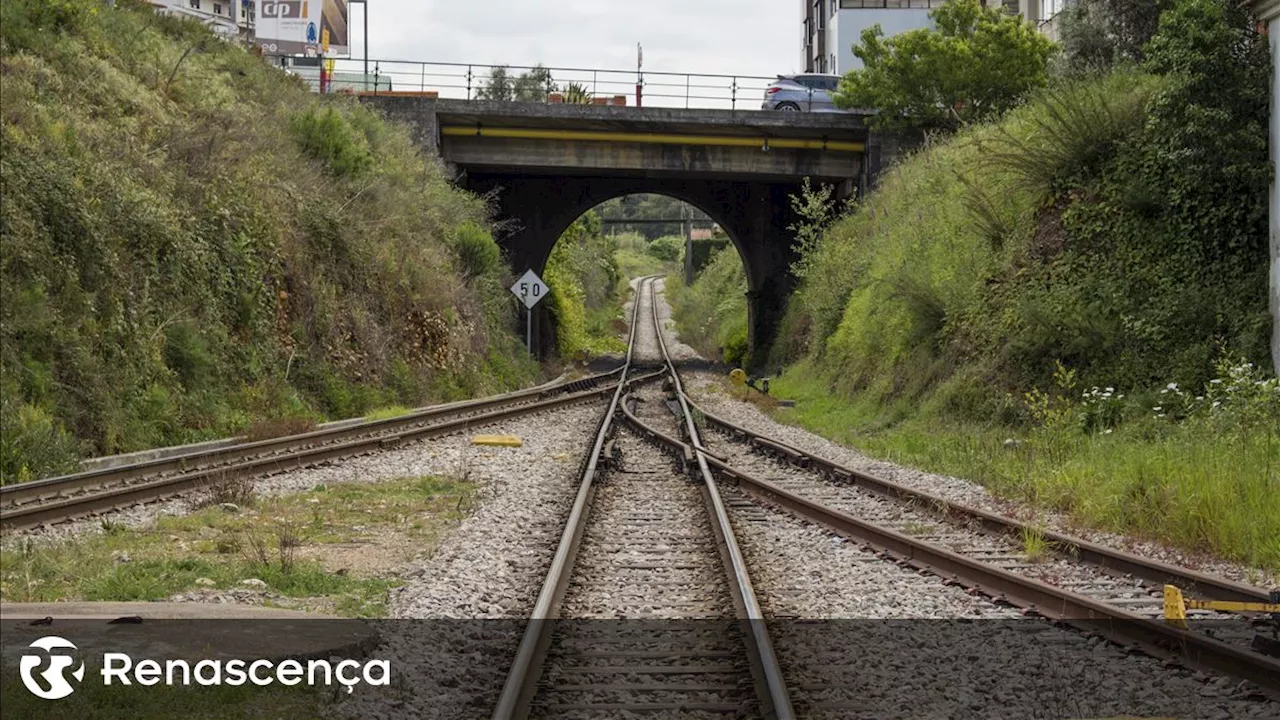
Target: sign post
[[530, 289]]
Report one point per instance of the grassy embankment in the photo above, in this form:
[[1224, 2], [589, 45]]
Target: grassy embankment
[[192, 245], [1087, 278]]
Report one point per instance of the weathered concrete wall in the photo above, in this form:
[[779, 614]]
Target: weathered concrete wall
[[570, 156]]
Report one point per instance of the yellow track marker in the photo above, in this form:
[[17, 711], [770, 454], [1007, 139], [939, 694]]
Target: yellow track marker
[[497, 440]]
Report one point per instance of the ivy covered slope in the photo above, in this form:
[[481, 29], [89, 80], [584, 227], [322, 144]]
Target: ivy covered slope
[[194, 244]]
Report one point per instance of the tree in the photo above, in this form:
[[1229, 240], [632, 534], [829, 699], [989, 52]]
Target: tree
[[1099, 34], [534, 86], [499, 87], [977, 64], [531, 86]]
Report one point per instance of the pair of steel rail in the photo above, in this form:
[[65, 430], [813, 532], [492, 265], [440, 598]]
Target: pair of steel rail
[[521, 685], [41, 502]]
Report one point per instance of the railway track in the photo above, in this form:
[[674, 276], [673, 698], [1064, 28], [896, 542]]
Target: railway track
[[1097, 589], [645, 543], [60, 499]]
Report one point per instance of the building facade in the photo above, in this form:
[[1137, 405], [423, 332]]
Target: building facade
[[831, 28], [230, 18]]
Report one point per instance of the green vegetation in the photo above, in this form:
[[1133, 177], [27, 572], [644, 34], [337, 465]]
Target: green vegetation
[[1203, 478], [192, 243], [978, 63], [583, 276], [291, 543], [1054, 279], [711, 314]]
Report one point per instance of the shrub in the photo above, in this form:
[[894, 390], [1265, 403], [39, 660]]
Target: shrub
[[325, 135], [667, 248], [33, 444], [476, 249]]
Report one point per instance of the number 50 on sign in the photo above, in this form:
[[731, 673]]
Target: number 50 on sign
[[530, 289]]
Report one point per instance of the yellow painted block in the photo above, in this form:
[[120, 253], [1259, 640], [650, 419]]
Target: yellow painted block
[[498, 440]]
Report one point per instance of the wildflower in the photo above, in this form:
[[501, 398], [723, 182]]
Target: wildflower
[[1216, 403], [1165, 390], [1172, 386], [1157, 408], [1111, 389], [1107, 431], [1160, 415], [1199, 398], [1215, 381]]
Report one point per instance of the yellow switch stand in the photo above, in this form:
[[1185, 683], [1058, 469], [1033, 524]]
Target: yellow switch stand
[[1175, 606]]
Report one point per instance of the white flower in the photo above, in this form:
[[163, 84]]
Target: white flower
[[1157, 408], [1172, 386], [1199, 397], [1107, 431], [1110, 389], [1215, 381], [1216, 403]]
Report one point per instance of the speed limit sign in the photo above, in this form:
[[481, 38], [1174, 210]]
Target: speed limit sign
[[530, 289]]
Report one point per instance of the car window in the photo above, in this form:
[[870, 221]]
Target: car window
[[809, 81], [830, 84]]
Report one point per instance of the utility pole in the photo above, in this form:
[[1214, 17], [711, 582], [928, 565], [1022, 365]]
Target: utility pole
[[639, 72], [687, 226]]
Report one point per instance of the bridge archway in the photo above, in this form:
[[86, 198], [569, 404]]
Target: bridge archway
[[757, 217]]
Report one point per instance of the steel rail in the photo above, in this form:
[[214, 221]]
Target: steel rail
[[1115, 623], [763, 660], [1092, 615], [34, 514], [520, 686], [1152, 570], [35, 490]]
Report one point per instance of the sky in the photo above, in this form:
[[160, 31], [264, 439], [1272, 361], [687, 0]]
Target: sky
[[730, 37]]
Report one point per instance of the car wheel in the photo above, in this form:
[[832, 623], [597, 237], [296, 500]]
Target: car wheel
[[788, 107]]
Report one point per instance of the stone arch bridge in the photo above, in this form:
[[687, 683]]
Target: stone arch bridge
[[550, 163]]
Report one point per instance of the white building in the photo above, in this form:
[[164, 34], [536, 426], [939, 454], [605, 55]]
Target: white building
[[831, 28], [230, 18]]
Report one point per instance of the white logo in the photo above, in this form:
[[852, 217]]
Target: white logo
[[53, 675]]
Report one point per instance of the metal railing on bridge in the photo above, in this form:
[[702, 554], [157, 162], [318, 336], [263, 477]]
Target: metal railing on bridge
[[598, 86]]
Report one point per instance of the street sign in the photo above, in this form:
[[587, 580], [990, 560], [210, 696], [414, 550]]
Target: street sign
[[530, 289]]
